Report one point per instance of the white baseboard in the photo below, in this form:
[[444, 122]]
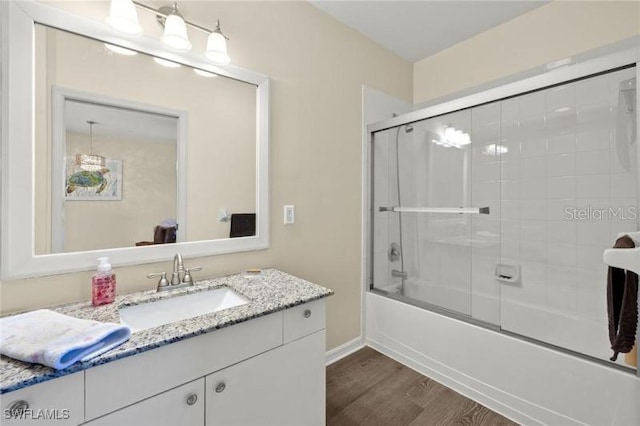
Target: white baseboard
[[344, 350]]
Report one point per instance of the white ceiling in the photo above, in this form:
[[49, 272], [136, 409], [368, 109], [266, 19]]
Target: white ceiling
[[119, 122], [419, 28]]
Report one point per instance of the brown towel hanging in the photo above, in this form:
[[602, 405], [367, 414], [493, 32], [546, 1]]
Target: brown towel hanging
[[622, 306]]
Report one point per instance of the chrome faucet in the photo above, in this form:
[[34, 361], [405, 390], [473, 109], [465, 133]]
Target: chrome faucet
[[177, 281], [177, 268]]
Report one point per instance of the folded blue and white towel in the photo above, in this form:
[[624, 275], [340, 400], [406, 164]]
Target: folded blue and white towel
[[57, 340]]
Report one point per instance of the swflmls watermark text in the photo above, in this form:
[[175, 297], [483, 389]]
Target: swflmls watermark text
[[593, 213], [36, 414]]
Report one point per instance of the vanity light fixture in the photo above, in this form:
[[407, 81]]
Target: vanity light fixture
[[123, 17], [216, 51], [175, 28], [90, 162]]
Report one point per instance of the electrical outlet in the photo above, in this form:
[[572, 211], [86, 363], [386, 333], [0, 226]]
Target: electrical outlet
[[289, 215]]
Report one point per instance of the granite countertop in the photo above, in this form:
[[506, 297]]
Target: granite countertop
[[272, 291]]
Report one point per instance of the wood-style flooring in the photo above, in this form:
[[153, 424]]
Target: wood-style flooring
[[368, 388]]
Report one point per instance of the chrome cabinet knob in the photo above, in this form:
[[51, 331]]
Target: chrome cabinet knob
[[307, 313], [220, 388], [192, 398], [16, 408]]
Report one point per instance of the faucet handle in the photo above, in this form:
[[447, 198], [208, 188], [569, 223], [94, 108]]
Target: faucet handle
[[163, 282], [187, 275]]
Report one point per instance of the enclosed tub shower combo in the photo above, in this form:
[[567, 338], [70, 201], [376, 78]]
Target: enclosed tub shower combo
[[488, 216]]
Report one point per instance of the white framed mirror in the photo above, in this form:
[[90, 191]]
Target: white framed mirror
[[160, 172]]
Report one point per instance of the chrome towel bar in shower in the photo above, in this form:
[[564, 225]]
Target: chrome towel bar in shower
[[459, 210]]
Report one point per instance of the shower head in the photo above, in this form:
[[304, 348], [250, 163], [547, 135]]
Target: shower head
[[408, 128], [628, 93]]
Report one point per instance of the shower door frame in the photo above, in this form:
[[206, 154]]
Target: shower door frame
[[551, 78]]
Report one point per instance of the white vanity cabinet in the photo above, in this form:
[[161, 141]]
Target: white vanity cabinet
[[121, 383], [55, 402], [265, 371], [284, 386], [183, 405]]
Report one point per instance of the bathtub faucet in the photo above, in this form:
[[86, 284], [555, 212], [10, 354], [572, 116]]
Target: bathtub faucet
[[399, 274]]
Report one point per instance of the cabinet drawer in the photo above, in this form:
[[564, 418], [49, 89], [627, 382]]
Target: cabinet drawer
[[129, 380], [56, 402], [183, 405], [303, 320]]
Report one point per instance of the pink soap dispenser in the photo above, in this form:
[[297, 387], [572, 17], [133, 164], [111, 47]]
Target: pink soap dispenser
[[103, 283]]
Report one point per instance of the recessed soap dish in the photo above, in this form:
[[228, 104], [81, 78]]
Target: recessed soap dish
[[508, 273]]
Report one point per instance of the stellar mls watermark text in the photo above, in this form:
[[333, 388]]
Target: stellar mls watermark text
[[595, 213]]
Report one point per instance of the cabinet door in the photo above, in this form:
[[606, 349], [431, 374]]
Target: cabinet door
[[183, 405], [158, 370], [55, 402], [285, 386]]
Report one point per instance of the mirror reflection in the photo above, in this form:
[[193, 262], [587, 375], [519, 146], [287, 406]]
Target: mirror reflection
[[122, 145], [99, 141]]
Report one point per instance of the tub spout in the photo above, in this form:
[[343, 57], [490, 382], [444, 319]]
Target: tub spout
[[398, 274]]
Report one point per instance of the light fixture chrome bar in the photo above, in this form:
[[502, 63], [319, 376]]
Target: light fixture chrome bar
[[157, 12], [458, 210]]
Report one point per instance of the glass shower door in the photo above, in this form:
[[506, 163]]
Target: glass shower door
[[569, 185], [420, 253]]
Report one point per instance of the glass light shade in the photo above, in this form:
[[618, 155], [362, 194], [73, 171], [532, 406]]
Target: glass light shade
[[216, 52], [175, 33], [123, 17], [166, 63], [120, 50]]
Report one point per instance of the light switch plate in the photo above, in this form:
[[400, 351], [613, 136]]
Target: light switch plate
[[289, 215]]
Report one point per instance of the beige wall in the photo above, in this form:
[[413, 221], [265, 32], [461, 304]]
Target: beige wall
[[317, 68], [548, 33]]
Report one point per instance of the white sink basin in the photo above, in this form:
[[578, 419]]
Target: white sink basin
[[153, 314]]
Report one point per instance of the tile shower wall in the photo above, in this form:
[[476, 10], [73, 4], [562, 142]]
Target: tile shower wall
[[565, 197], [440, 248], [485, 191], [379, 106]]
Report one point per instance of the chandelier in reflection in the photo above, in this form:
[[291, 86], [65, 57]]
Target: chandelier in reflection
[[91, 161]]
